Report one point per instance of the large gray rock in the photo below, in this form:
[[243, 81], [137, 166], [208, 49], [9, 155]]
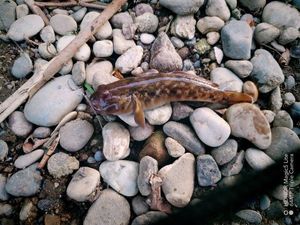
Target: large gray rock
[[237, 39], [25, 27], [281, 15], [63, 24], [7, 13], [266, 71], [109, 209], [52, 102], [218, 8], [25, 160], [182, 7]]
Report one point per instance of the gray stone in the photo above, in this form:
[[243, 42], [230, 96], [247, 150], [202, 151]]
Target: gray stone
[[226, 152], [78, 73], [182, 7], [281, 15], [139, 205], [235, 166], [184, 27], [257, 159], [147, 23], [75, 134], [41, 132], [147, 38], [217, 8], [22, 66], [67, 68], [174, 148], [3, 150], [61, 99], [7, 13], [264, 202], [242, 68], [277, 46], [185, 136], [266, 71], [22, 10], [180, 111], [209, 24], [5, 209], [232, 4], [142, 8], [63, 24], [159, 115], [284, 141], [3, 194], [121, 175], [109, 209], [253, 5], [47, 50], [60, 164], [84, 184], [26, 160], [47, 34], [276, 100], [164, 57], [149, 218], [18, 124], [103, 48], [130, 59], [120, 43], [250, 216], [139, 133], [177, 42], [25, 27], [288, 35], [121, 18], [148, 166], [28, 210], [270, 115], [208, 173], [102, 69], [226, 79], [79, 14], [283, 119], [25, 182], [265, 33], [288, 99]]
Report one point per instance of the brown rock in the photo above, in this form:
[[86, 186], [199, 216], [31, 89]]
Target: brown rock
[[250, 88], [52, 220]]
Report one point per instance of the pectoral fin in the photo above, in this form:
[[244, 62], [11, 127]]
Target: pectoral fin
[[139, 116]]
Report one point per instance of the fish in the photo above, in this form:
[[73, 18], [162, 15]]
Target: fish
[[137, 94]]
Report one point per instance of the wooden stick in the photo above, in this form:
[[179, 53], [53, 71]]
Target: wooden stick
[[72, 3], [42, 76], [35, 9]]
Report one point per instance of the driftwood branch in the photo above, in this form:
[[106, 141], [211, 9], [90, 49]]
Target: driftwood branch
[[36, 10], [87, 3], [42, 76]]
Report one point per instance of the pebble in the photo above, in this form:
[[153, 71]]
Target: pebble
[[147, 23], [104, 32], [25, 27], [148, 166], [232, 4], [209, 24], [184, 27], [202, 46], [250, 88], [212, 37], [226, 79], [28, 209], [225, 153], [26, 160], [75, 134], [295, 110], [275, 211], [247, 121], [121, 175], [149, 218], [67, 68], [250, 216], [3, 150], [210, 128], [276, 100], [185, 136], [265, 33], [3, 194], [235, 166], [237, 39], [47, 50], [79, 73], [208, 172], [177, 42], [103, 69], [277, 46], [84, 184], [130, 59], [257, 159], [180, 111], [266, 71], [288, 35], [22, 10], [217, 8], [82, 54], [120, 43], [242, 68], [142, 8], [281, 15], [129, 119], [164, 57], [289, 83], [103, 48], [109, 209], [159, 115], [47, 34], [284, 141], [182, 8], [61, 99], [5, 209], [139, 205], [139, 133], [116, 140], [264, 202], [281, 192], [270, 115], [174, 148], [63, 24], [178, 181], [25, 182], [253, 5], [22, 66], [61, 164], [19, 125], [146, 38], [7, 13], [79, 14], [283, 119], [121, 18]]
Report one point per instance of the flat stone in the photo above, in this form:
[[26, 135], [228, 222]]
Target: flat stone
[[18, 124], [22, 66], [103, 48], [242, 68], [265, 33], [209, 24], [225, 153], [184, 27], [130, 59], [217, 8], [159, 115], [235, 166], [226, 79], [182, 8], [208, 172], [257, 159], [26, 160], [7, 13], [63, 24]]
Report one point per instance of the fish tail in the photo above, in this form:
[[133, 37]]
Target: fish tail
[[236, 97]]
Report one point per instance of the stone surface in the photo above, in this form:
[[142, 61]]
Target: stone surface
[[96, 72], [61, 99], [26, 160], [130, 59], [22, 66], [7, 13], [116, 140], [182, 8], [63, 24], [184, 27], [3, 150], [159, 115], [25, 182], [78, 73], [208, 172], [22, 10], [247, 121], [25, 27], [242, 68], [225, 153], [18, 124], [283, 119], [164, 57], [147, 23], [103, 48], [265, 33], [237, 39], [109, 209], [209, 24], [3, 194], [142, 8], [212, 37], [288, 35], [121, 18], [266, 71], [178, 180], [121, 175], [47, 50], [60, 164], [79, 14], [226, 79], [217, 8], [139, 133], [47, 34], [174, 148], [147, 38], [250, 216], [257, 159], [139, 205], [83, 185], [120, 43], [180, 111]]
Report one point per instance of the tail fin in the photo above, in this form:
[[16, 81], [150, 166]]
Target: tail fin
[[236, 97]]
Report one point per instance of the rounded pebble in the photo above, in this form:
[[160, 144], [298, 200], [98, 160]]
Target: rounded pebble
[[26, 160], [19, 125]]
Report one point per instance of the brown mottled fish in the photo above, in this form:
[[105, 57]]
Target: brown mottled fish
[[136, 94]]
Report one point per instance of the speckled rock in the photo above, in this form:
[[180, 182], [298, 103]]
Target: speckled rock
[[130, 59], [209, 24], [63, 24], [234, 166], [208, 172], [18, 124], [182, 8], [147, 23], [26, 160], [257, 159], [184, 27], [226, 152]]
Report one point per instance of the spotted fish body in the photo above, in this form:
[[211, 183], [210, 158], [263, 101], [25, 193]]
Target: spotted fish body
[[137, 94]]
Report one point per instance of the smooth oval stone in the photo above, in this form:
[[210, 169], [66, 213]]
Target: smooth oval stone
[[208, 172], [60, 98], [250, 216], [18, 124], [28, 159], [103, 48], [257, 159], [182, 7], [47, 34], [226, 152], [159, 115], [130, 59], [22, 66], [210, 24], [3, 194], [242, 68], [217, 8], [226, 79], [235, 166], [3, 150], [139, 133], [174, 148], [63, 24]]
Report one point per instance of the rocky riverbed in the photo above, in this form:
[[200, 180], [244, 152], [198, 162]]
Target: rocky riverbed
[[109, 175]]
